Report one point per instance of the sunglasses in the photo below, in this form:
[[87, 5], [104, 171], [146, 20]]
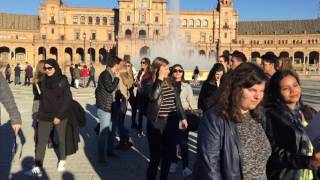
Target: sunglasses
[[47, 68], [178, 70], [143, 62]]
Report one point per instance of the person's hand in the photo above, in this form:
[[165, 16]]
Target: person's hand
[[184, 124], [56, 121], [117, 73], [16, 128]]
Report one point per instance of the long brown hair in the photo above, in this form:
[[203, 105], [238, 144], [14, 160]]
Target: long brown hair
[[39, 72], [125, 75], [155, 68], [229, 95]]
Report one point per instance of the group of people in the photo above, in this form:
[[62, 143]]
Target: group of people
[[252, 125], [84, 75], [17, 74]]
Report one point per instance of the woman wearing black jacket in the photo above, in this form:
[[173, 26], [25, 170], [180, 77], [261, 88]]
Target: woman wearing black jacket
[[232, 144], [293, 157], [55, 102], [164, 114], [210, 87]]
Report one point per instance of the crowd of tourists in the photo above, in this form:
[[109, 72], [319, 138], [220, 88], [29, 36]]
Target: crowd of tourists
[[250, 118]]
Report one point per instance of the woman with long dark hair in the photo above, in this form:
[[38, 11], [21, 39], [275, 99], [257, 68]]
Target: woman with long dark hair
[[55, 102], [231, 139], [210, 87], [164, 114], [144, 75], [293, 156], [188, 102]]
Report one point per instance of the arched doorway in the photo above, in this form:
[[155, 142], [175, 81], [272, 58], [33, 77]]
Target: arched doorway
[[68, 55], [128, 34], [4, 55], [254, 56], [42, 53], [103, 56], [54, 53], [145, 51], [299, 57], [270, 52], [314, 57], [202, 52], [20, 54], [284, 54], [80, 55], [92, 53], [142, 34]]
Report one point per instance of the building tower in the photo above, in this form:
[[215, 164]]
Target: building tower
[[228, 20]]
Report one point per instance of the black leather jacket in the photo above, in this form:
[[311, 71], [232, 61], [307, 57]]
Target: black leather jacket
[[218, 149], [154, 94], [287, 140]]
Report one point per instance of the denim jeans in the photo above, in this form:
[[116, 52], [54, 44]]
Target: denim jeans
[[107, 133]]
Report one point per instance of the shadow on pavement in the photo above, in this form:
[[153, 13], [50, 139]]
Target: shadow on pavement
[[26, 164]]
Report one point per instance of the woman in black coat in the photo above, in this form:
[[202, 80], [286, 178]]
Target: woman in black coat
[[210, 87], [55, 103], [293, 156]]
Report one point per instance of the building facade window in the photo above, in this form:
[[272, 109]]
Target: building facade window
[[202, 37], [110, 36], [104, 20], [225, 35], [184, 23], [90, 20], [75, 19], [111, 19], [97, 20], [191, 23], [82, 20], [93, 35], [128, 19], [198, 23], [52, 30], [156, 19], [205, 23], [142, 34], [142, 19], [77, 34]]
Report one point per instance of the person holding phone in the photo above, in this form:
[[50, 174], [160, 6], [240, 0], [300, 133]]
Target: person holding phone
[[165, 113]]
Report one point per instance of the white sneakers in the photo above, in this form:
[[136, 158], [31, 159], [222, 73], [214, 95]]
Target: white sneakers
[[186, 172], [173, 167], [35, 172], [61, 165]]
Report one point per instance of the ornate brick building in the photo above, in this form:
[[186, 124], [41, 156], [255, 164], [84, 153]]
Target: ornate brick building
[[74, 34]]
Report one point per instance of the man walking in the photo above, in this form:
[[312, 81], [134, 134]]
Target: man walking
[[92, 72], [17, 73]]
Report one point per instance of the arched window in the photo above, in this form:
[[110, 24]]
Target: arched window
[[205, 23], [191, 23], [82, 20], [90, 20], [198, 23], [128, 34], [104, 21], [184, 23], [98, 20], [142, 34]]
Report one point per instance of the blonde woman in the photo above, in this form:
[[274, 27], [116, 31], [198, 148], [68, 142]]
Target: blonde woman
[[125, 83]]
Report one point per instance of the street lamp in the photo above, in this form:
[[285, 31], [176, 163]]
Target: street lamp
[[84, 46], [90, 50]]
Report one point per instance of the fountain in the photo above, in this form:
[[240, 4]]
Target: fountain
[[175, 49]]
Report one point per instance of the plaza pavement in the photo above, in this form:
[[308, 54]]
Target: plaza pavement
[[84, 165]]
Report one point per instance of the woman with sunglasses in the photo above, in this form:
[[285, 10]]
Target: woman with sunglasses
[[55, 102], [188, 103], [210, 87], [165, 112], [144, 75]]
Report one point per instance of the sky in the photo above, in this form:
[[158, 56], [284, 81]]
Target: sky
[[248, 9]]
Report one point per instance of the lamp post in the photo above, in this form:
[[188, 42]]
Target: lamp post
[[84, 47]]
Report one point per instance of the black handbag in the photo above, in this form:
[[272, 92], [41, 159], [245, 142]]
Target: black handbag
[[193, 118]]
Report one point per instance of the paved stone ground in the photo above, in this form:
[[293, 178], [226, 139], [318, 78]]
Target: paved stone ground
[[83, 165]]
